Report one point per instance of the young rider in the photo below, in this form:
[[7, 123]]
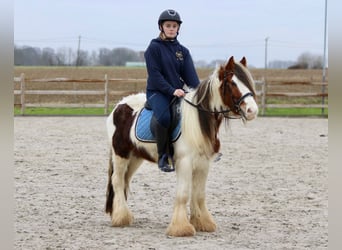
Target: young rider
[[169, 67]]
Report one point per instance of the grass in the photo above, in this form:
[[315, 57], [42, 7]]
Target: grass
[[269, 112], [296, 112]]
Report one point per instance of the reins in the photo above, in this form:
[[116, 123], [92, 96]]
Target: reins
[[206, 110], [236, 105]]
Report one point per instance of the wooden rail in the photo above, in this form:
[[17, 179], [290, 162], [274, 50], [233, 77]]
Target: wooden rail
[[263, 92], [22, 92]]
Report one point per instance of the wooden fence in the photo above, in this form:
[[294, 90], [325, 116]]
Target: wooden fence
[[102, 91], [290, 90], [125, 86]]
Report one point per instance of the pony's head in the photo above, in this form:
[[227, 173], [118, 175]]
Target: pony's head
[[229, 91], [237, 89]]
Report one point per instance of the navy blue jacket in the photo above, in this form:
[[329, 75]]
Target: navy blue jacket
[[169, 66]]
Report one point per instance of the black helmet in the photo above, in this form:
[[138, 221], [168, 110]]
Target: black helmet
[[169, 15]]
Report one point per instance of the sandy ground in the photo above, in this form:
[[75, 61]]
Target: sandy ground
[[268, 191]]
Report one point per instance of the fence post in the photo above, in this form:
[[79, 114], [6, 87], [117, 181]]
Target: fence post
[[263, 96], [106, 95], [22, 93]]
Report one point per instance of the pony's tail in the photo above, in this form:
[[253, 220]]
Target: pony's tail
[[110, 190]]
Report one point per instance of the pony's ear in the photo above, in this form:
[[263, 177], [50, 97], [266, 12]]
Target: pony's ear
[[230, 65], [227, 70], [244, 61]]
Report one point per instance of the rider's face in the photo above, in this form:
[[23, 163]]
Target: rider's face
[[170, 28]]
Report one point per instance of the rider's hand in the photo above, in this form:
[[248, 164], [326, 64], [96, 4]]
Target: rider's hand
[[179, 93]]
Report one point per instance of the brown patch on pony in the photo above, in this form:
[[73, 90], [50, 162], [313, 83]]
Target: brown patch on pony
[[110, 191], [217, 143], [123, 119], [229, 91], [142, 153]]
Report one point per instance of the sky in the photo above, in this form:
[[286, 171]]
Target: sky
[[211, 30]]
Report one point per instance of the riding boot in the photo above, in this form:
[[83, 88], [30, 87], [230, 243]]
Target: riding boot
[[162, 138]]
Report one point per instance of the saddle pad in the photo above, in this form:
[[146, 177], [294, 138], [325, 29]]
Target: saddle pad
[[143, 131]]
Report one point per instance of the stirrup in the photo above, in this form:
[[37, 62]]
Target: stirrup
[[164, 165]]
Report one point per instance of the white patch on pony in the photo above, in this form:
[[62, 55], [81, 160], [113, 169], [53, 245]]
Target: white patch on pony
[[215, 84], [135, 101], [250, 108], [110, 127], [242, 87]]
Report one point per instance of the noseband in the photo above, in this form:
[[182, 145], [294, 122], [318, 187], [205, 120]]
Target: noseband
[[237, 105]]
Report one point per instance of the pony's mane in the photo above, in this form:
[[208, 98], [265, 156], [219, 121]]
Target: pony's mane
[[202, 135]]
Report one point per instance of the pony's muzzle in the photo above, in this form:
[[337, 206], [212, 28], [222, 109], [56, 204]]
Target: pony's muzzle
[[252, 113], [250, 110]]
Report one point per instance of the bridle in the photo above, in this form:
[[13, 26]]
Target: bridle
[[237, 104]]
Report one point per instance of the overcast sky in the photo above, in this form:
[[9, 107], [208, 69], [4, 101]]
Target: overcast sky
[[211, 29]]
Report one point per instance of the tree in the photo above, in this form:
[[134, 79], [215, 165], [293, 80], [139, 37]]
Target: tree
[[123, 55], [27, 56], [65, 56], [93, 58], [82, 58], [317, 62], [310, 61], [105, 57], [278, 64], [48, 57]]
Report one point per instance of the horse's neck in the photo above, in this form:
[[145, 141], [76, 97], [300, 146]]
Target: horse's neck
[[208, 124]]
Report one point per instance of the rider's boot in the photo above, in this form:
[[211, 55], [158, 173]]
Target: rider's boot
[[162, 137]]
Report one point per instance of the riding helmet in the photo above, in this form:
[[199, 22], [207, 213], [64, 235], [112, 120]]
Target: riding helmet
[[169, 15]]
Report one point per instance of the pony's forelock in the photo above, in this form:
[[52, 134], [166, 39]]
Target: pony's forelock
[[241, 69]]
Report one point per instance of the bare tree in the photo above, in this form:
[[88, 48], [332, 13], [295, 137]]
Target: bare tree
[[48, 57], [82, 58], [65, 56], [123, 55], [279, 64], [311, 61], [105, 57], [27, 56]]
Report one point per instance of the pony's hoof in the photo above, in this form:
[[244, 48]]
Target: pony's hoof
[[205, 223], [122, 220], [200, 226], [181, 231]]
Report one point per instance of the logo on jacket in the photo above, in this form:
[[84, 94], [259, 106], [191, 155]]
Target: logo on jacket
[[179, 55]]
